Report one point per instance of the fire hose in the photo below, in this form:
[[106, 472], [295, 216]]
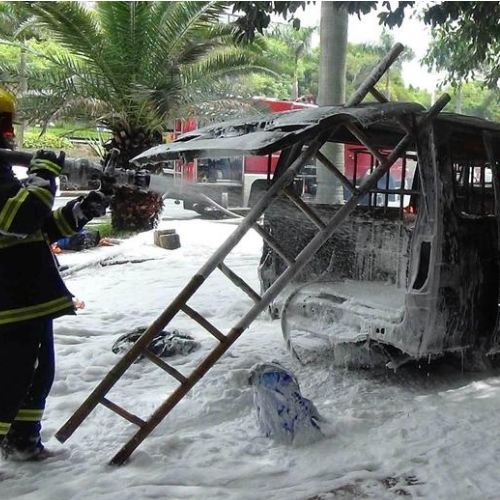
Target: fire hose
[[86, 174], [82, 172]]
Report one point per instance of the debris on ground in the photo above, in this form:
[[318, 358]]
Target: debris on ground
[[283, 413], [165, 344]]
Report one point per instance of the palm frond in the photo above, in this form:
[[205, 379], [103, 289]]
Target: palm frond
[[76, 28], [127, 39], [134, 65], [184, 18], [72, 24], [222, 63]]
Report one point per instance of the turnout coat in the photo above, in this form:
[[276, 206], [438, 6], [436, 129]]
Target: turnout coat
[[30, 284]]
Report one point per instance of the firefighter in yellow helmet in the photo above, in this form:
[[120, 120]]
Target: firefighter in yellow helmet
[[32, 292]]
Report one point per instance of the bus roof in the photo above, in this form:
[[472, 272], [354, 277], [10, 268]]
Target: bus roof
[[274, 132]]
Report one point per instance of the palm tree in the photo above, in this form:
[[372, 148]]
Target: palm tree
[[378, 51], [133, 66], [295, 46]]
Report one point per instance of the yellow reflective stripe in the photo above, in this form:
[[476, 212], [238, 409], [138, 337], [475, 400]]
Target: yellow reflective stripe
[[4, 428], [39, 164], [29, 415], [11, 241], [11, 208], [44, 195], [62, 224], [30, 312]]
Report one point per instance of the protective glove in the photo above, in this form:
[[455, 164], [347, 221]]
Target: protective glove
[[47, 163], [90, 206], [94, 204]]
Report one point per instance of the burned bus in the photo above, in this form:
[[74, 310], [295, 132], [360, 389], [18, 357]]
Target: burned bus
[[412, 272]]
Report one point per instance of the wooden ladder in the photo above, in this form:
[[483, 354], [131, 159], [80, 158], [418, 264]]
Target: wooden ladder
[[292, 164]]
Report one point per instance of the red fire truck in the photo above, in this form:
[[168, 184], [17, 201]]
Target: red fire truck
[[236, 182], [231, 182]]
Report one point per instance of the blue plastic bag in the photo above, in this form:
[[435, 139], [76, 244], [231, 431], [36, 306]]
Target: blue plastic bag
[[283, 414]]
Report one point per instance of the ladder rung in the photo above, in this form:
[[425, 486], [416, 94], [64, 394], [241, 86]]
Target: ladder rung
[[165, 366], [362, 137], [309, 212], [270, 240], [336, 172], [239, 282], [378, 95], [133, 419], [203, 322]]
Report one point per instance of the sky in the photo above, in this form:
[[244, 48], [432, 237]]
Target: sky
[[413, 34]]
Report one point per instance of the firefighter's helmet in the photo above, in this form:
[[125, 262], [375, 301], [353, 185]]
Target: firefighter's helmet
[[7, 102], [7, 110]]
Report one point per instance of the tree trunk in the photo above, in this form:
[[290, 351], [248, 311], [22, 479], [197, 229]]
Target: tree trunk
[[134, 210], [331, 90], [459, 98], [23, 89], [295, 87], [131, 209], [295, 80]]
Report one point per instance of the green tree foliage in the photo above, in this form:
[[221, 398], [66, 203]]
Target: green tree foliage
[[256, 16], [466, 40], [39, 103], [289, 50], [466, 34], [361, 59], [133, 66], [295, 47], [15, 26], [476, 100]]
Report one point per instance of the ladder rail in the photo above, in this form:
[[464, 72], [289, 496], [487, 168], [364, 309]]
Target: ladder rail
[[262, 232], [375, 75], [322, 236], [261, 205], [126, 361]]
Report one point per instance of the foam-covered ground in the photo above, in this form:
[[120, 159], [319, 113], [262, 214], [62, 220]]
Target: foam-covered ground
[[430, 434]]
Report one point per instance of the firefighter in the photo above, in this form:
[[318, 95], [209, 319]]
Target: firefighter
[[32, 292]]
